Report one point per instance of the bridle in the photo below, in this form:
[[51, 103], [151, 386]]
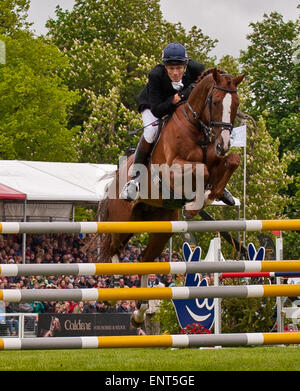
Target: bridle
[[207, 129]]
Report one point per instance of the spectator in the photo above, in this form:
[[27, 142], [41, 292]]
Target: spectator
[[49, 307], [89, 307], [91, 283], [167, 280], [13, 322], [152, 326], [37, 307], [122, 283], [57, 248], [133, 281], [82, 282], [123, 306], [78, 308]]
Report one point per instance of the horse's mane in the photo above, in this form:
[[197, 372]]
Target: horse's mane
[[209, 71]]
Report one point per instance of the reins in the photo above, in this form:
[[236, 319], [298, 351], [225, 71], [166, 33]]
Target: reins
[[143, 127]]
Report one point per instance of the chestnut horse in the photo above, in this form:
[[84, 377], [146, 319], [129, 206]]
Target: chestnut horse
[[197, 132]]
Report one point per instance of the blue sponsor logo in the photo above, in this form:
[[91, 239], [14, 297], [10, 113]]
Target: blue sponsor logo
[[194, 310]]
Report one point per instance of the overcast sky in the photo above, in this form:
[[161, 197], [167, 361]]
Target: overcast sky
[[225, 20]]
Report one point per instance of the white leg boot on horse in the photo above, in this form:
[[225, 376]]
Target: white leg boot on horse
[[139, 315]]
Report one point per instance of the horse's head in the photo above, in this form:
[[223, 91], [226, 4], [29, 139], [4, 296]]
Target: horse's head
[[55, 324], [219, 106], [222, 105]]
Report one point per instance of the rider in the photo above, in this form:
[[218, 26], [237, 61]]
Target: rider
[[168, 83]]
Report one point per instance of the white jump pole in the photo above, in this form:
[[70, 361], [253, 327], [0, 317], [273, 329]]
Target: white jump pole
[[279, 257]]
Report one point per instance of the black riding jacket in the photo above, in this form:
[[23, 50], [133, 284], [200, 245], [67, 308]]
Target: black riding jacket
[[158, 94]]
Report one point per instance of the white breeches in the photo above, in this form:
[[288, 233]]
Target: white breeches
[[150, 131]]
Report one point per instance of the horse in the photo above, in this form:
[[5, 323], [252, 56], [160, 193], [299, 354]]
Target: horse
[[198, 132], [53, 328]]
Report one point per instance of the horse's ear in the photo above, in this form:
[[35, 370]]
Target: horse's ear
[[237, 80], [216, 75]]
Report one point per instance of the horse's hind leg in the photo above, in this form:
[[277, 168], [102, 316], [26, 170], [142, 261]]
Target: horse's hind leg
[[155, 247], [117, 246]]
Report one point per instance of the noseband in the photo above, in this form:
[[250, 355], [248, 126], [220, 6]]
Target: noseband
[[225, 125], [207, 129]]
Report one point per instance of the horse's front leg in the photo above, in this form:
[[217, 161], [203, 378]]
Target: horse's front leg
[[220, 175]]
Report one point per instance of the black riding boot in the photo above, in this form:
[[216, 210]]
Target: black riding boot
[[131, 190], [227, 198]]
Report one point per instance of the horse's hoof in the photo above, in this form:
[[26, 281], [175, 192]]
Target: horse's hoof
[[135, 324], [188, 215], [227, 198]]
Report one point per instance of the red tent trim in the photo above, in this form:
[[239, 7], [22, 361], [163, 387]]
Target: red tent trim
[[8, 193]]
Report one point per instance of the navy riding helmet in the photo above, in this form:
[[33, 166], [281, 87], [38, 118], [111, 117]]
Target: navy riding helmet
[[174, 53]]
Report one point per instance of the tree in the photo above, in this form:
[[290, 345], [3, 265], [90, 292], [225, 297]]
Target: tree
[[274, 81], [13, 14], [34, 101], [270, 68]]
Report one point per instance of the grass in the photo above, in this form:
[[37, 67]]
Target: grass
[[268, 358]]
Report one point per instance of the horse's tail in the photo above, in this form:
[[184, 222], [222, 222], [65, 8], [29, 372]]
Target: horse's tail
[[100, 243], [102, 211], [104, 239]]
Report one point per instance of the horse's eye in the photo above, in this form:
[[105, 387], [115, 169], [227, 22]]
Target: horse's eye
[[215, 103]]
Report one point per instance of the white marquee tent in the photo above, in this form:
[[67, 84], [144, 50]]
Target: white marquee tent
[[49, 190]]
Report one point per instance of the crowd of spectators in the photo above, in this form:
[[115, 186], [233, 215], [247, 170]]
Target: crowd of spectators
[[67, 248]]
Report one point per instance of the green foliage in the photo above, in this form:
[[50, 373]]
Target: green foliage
[[230, 65], [108, 113], [273, 76], [249, 315], [13, 14], [269, 65], [167, 318], [85, 214], [34, 102], [291, 245]]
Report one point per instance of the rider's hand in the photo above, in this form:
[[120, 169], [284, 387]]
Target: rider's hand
[[176, 99]]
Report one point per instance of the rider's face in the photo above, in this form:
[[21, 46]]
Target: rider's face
[[175, 72]]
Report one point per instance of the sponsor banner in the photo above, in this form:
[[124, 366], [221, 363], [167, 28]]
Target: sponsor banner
[[81, 325]]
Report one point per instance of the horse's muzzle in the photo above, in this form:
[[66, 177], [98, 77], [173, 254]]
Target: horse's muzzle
[[220, 150], [223, 143]]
